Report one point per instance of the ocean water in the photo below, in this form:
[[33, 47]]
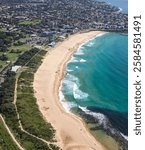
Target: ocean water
[[123, 4], [97, 80]]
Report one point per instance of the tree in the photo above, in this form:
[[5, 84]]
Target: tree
[[3, 57]]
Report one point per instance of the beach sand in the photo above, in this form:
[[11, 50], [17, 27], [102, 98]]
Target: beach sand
[[71, 132]]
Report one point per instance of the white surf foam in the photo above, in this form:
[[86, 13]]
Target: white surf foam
[[79, 52], [82, 60], [69, 82], [72, 78], [69, 70], [100, 34], [102, 119], [74, 59], [81, 48], [66, 104], [90, 44], [78, 94], [126, 137]]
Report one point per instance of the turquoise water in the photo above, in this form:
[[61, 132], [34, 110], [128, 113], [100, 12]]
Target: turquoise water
[[97, 79], [119, 3]]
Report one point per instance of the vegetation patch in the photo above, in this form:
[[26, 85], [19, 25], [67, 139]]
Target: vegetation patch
[[12, 44], [26, 56], [6, 141], [19, 48], [31, 118], [30, 22], [30, 115]]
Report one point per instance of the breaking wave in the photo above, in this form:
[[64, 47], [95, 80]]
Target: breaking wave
[[82, 60], [102, 119], [77, 93]]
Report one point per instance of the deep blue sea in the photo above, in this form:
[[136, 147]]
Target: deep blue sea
[[123, 4], [97, 80]]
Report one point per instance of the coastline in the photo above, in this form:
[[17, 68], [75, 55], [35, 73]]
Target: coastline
[[61, 96], [71, 132]]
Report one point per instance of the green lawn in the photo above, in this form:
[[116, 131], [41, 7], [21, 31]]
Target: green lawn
[[6, 142], [13, 53], [31, 22], [20, 48], [15, 47]]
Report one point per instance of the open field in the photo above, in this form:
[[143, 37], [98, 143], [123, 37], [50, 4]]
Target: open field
[[13, 54], [12, 45]]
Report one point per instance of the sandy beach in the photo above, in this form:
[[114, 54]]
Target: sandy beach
[[71, 133]]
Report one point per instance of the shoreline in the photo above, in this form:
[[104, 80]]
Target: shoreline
[[61, 96], [71, 132]]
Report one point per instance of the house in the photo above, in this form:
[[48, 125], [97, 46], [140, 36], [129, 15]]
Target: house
[[15, 68]]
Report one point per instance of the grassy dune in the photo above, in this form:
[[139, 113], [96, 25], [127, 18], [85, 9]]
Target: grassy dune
[[30, 116], [6, 141]]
